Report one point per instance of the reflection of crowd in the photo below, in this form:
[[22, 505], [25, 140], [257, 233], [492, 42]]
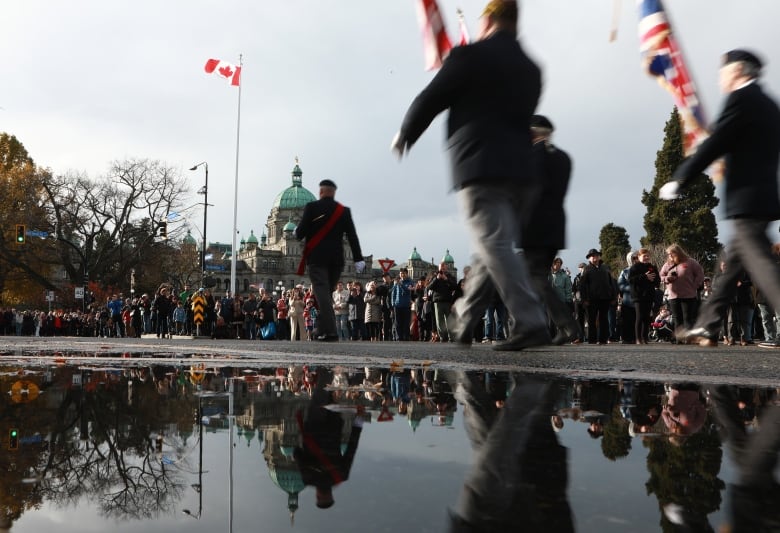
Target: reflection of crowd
[[313, 418]]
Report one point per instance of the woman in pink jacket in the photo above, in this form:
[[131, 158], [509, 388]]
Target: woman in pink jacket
[[683, 276]]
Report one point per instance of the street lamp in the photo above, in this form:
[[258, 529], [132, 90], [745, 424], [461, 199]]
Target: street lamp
[[205, 192]]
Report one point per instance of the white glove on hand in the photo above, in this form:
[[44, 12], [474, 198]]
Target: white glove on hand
[[398, 146], [669, 191], [360, 266]]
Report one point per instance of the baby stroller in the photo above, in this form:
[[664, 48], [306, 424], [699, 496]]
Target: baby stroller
[[662, 331]]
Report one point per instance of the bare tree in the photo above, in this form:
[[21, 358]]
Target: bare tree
[[106, 227]]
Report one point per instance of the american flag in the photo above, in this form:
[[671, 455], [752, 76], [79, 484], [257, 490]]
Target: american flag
[[436, 42], [664, 61]]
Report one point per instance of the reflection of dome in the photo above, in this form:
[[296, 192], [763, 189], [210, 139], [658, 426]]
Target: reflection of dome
[[415, 256], [447, 258], [289, 480], [295, 196]]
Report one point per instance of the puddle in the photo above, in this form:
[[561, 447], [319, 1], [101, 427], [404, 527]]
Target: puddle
[[132, 445]]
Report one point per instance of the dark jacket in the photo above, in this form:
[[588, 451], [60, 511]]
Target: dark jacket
[[491, 89], [748, 134], [597, 283], [441, 290], [330, 250], [642, 289], [546, 227]]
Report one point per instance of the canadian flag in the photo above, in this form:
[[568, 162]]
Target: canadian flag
[[228, 71], [436, 42]]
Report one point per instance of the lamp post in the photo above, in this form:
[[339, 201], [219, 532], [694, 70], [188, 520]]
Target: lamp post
[[205, 192]]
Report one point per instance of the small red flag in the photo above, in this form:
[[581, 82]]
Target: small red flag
[[436, 42], [464, 31], [230, 72]]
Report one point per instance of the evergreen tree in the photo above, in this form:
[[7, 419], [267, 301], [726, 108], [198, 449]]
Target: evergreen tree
[[614, 247], [688, 221]]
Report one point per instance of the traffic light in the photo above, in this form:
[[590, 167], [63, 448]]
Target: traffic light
[[20, 233], [164, 230], [13, 439]]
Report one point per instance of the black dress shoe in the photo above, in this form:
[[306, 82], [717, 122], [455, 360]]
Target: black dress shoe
[[566, 335], [327, 338], [699, 336], [530, 340]]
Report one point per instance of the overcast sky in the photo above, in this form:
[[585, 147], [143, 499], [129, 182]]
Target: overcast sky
[[87, 82]]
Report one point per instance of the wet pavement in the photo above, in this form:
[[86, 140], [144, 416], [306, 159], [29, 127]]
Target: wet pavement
[[201, 435], [663, 361]]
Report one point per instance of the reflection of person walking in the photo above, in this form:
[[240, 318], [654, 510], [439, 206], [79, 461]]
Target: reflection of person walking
[[323, 224], [748, 134], [491, 89]]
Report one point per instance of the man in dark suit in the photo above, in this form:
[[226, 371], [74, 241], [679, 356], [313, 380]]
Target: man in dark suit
[[747, 133], [544, 232], [323, 224], [491, 89]]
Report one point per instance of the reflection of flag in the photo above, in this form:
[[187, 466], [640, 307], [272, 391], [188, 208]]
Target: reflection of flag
[[228, 71], [464, 31], [436, 43], [663, 60]]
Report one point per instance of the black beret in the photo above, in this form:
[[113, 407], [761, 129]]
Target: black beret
[[327, 183], [733, 56], [540, 121], [592, 252]]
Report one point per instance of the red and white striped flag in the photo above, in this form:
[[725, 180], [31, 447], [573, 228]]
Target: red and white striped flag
[[464, 31], [436, 43], [230, 72]]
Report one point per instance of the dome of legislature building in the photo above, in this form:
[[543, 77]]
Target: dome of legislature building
[[295, 196]]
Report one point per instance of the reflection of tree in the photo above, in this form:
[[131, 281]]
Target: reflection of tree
[[686, 474], [101, 446], [616, 442]]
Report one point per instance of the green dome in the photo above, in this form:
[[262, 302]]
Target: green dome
[[415, 256], [447, 258], [252, 239], [289, 481], [289, 226], [189, 239], [295, 196]]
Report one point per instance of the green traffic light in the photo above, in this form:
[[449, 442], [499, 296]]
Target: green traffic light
[[14, 433]]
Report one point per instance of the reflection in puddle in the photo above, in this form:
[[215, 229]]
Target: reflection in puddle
[[154, 445]]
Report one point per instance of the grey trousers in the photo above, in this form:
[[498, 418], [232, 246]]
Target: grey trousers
[[493, 217], [750, 249], [323, 281]]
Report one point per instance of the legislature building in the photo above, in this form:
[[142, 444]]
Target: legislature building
[[271, 261]]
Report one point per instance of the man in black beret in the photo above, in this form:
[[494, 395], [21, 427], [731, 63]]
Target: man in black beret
[[491, 89], [544, 232], [323, 225], [747, 133]]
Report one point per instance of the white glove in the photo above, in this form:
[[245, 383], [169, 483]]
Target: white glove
[[360, 266], [398, 146], [669, 191]]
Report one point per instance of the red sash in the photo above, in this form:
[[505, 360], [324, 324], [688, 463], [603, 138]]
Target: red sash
[[314, 241]]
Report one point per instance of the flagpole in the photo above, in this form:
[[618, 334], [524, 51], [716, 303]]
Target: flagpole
[[235, 192]]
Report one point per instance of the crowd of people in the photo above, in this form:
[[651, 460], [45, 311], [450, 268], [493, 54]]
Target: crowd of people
[[640, 304]]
